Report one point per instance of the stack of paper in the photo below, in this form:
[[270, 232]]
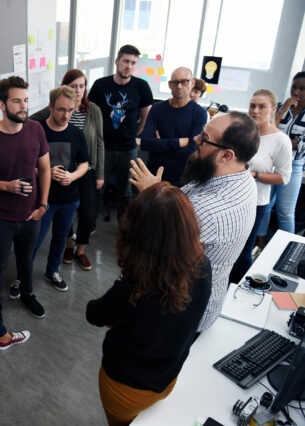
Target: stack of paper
[[240, 305]]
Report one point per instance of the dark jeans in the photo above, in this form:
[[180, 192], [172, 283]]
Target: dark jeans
[[61, 216], [86, 209], [244, 261], [117, 165], [24, 235]]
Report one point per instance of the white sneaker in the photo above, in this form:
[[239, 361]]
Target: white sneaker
[[19, 337], [57, 281]]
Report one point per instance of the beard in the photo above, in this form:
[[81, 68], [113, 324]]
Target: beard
[[199, 169], [123, 76], [15, 117]]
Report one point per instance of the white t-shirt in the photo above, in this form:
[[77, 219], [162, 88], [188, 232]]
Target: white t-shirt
[[274, 155]]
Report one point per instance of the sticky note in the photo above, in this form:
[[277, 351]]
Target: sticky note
[[150, 71], [283, 300], [43, 62], [299, 298], [50, 65], [31, 39], [32, 63], [160, 71]]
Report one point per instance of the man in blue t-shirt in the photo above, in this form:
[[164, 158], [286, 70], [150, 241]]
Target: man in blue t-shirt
[[125, 102]]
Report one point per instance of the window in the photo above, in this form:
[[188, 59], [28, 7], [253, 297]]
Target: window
[[136, 11], [144, 15], [129, 14], [243, 32], [62, 38]]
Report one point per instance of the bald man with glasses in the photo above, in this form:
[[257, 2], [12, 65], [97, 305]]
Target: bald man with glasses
[[171, 126], [223, 193]]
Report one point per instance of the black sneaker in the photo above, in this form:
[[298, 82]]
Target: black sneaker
[[56, 280], [29, 300], [14, 292]]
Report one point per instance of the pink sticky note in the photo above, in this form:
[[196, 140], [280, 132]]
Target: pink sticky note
[[43, 62], [283, 300], [32, 63]]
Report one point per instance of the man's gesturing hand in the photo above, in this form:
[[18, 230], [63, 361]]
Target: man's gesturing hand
[[141, 176]]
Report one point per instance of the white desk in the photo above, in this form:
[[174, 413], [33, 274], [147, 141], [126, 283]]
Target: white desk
[[201, 391]]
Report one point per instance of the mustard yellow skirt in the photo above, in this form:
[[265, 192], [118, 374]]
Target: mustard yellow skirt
[[123, 403]]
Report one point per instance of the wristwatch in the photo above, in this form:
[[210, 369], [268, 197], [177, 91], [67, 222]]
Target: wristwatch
[[255, 175], [45, 205]]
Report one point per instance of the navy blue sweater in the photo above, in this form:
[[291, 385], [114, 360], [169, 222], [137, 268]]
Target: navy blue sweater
[[171, 124]]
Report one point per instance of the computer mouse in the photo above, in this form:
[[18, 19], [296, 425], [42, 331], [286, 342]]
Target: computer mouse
[[280, 282], [301, 269]]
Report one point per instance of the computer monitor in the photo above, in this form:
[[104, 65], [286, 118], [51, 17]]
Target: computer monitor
[[289, 380]]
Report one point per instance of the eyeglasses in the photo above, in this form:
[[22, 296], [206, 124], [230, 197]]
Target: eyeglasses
[[64, 110], [203, 140], [258, 293], [176, 83]]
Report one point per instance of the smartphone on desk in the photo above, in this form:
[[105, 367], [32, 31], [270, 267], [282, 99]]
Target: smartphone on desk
[[211, 422]]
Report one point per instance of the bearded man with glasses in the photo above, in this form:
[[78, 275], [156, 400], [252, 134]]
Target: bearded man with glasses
[[171, 126], [223, 194]]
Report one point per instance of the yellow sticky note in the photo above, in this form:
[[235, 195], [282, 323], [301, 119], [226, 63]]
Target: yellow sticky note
[[49, 65], [209, 89], [51, 34], [31, 39], [160, 71]]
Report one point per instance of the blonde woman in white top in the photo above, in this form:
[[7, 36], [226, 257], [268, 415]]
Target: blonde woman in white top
[[271, 165]]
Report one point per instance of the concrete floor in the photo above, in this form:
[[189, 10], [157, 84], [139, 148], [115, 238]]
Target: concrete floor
[[52, 379]]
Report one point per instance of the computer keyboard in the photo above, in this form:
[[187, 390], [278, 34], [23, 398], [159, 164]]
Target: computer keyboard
[[253, 360], [290, 258]]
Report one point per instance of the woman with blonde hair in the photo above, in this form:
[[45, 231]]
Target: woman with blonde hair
[[154, 309], [271, 165]]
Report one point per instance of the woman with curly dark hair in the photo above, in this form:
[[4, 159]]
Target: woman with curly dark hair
[[154, 309]]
